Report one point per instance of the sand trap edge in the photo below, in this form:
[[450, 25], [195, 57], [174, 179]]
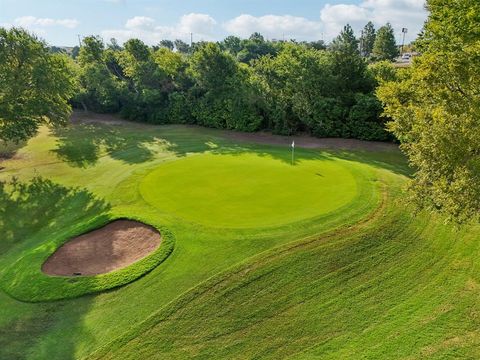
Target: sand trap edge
[[35, 286], [114, 246]]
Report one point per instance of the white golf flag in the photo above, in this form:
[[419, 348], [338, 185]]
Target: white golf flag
[[293, 144]]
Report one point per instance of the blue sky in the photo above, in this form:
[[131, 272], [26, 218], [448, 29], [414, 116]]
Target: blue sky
[[59, 22]]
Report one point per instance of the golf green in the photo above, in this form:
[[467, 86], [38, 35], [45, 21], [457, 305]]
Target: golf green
[[248, 189]]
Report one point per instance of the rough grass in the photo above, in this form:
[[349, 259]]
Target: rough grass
[[365, 280]]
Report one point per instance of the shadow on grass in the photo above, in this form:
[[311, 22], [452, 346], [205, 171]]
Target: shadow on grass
[[9, 149], [28, 335], [41, 206], [392, 161], [82, 145], [31, 211]]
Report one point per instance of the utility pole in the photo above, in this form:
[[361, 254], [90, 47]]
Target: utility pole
[[191, 39], [361, 43], [404, 31], [79, 40]]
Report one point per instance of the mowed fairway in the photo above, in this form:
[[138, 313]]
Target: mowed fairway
[[248, 190], [317, 260]]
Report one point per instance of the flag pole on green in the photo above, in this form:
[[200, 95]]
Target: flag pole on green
[[293, 152]]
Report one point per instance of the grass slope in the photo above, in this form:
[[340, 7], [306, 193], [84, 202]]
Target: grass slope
[[391, 287], [361, 278]]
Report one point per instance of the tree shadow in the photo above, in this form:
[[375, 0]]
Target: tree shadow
[[216, 142], [28, 208], [393, 161], [82, 145], [29, 212], [8, 149], [24, 336]]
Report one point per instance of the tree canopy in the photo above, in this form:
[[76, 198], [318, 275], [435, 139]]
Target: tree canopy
[[367, 40], [385, 46], [244, 84], [35, 85], [435, 109]]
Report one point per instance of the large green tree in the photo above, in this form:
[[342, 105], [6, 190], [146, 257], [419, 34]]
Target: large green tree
[[35, 85], [224, 95], [349, 66], [367, 39], [436, 111], [100, 77], [300, 89], [283, 86], [385, 46]]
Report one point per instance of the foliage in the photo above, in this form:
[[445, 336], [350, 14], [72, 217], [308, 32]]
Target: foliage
[[304, 89], [35, 85], [168, 44], [181, 46], [225, 97], [384, 71], [232, 44], [385, 46], [435, 109], [349, 65], [242, 84], [367, 40], [100, 77]]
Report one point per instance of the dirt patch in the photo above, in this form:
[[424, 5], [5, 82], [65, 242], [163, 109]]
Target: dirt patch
[[112, 247]]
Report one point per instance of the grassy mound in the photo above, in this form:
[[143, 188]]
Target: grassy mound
[[357, 278]]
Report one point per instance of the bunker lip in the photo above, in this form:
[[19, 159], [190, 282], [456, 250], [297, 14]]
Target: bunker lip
[[114, 246]]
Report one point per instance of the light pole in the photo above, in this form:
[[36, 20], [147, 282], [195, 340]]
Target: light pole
[[361, 43], [404, 31]]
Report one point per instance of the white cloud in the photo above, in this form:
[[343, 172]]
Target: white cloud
[[34, 22], [400, 13], [140, 23], [274, 26], [392, 4], [200, 24], [335, 17], [145, 28], [330, 21]]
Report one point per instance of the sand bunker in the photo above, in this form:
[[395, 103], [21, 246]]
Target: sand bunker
[[112, 247]]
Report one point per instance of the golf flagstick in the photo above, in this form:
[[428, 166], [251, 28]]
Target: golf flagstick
[[293, 152]]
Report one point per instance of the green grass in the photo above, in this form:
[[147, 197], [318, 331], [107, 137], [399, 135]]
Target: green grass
[[353, 276], [248, 190]]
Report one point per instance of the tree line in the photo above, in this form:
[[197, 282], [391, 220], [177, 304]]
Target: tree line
[[249, 85], [242, 84]]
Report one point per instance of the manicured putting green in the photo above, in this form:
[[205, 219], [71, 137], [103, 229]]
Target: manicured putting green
[[248, 190]]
